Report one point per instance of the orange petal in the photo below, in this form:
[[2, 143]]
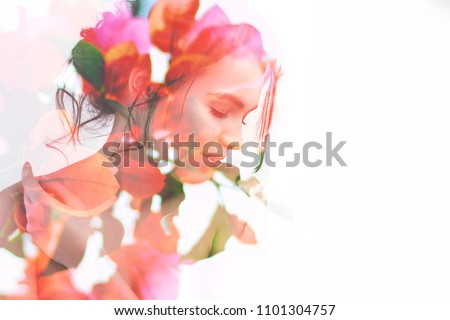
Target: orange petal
[[140, 179], [170, 20], [152, 232], [126, 49], [58, 286], [84, 185]]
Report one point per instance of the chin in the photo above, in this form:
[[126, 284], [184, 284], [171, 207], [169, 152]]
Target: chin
[[193, 175]]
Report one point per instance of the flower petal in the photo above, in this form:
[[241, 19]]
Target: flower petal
[[170, 20]]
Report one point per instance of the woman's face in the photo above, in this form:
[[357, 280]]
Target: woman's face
[[213, 107]]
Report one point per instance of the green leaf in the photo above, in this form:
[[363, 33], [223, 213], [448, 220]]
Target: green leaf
[[15, 246], [89, 63], [172, 188], [261, 162], [117, 107]]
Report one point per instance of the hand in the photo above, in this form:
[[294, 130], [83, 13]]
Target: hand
[[10, 203], [55, 228]]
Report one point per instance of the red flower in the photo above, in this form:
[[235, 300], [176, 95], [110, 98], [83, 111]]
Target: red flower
[[56, 286], [152, 232], [87, 187], [57, 207], [170, 20], [213, 17], [119, 61], [124, 43], [118, 64], [139, 178], [149, 274]]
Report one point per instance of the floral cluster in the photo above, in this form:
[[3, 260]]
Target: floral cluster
[[60, 211]]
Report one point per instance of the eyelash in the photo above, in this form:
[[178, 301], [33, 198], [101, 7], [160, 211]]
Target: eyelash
[[221, 115], [217, 113]]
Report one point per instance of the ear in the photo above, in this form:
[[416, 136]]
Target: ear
[[138, 82]]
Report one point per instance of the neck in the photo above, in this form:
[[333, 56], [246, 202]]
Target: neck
[[125, 139]]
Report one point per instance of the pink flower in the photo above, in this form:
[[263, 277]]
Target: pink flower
[[213, 17], [142, 273], [124, 43], [120, 28]]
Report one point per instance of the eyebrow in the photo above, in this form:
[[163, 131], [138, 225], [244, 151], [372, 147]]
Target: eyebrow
[[230, 98]]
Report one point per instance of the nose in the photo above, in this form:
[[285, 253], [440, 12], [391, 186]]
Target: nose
[[230, 141]]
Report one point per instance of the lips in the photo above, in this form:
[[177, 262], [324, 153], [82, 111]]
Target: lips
[[213, 157]]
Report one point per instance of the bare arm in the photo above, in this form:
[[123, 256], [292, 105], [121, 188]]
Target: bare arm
[[11, 199], [81, 186]]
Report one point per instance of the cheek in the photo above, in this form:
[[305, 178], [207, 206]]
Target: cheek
[[194, 117], [173, 119], [159, 128], [201, 121]]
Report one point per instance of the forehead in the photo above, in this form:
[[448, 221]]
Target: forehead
[[240, 76]]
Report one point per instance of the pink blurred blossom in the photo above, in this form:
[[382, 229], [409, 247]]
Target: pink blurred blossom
[[119, 28]]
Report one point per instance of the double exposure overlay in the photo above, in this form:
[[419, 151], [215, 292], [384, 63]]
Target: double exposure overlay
[[123, 219]]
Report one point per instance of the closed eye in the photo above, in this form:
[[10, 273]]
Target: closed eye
[[218, 114]]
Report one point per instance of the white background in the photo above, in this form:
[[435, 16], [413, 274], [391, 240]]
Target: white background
[[377, 75]]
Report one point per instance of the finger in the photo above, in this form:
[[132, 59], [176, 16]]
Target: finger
[[32, 189], [35, 194]]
